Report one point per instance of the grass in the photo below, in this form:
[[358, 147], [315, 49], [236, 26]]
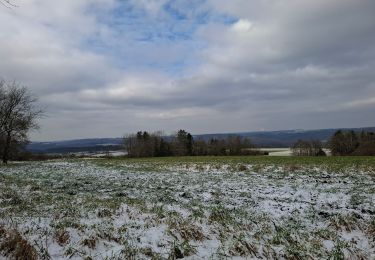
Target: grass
[[339, 161], [202, 207]]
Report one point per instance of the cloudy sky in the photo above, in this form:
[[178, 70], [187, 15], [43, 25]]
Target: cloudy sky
[[103, 68]]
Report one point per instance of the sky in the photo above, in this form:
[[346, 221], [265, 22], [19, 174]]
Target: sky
[[105, 68]]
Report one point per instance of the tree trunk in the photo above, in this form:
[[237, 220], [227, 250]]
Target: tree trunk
[[7, 149]]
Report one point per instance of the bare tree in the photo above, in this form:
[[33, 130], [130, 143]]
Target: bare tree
[[18, 115], [308, 148], [343, 143], [8, 3]]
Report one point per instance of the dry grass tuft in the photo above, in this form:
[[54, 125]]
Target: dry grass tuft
[[242, 168], [104, 213], [292, 168], [89, 242], [62, 237], [14, 246], [187, 230], [243, 248], [347, 222], [371, 228]]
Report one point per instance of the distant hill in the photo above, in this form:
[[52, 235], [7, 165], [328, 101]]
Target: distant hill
[[286, 138], [268, 139], [74, 146]]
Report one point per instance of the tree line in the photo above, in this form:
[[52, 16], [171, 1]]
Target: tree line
[[144, 144], [342, 143], [345, 143]]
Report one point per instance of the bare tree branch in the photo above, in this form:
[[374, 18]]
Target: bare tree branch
[[8, 3]]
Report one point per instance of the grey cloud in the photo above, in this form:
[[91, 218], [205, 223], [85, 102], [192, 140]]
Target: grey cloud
[[304, 64]]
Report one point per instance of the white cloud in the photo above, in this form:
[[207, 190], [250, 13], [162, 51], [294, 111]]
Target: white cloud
[[154, 7], [242, 25]]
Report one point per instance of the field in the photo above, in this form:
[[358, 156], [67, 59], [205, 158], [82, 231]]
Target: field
[[192, 208]]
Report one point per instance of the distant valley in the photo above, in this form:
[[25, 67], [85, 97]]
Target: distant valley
[[266, 139]]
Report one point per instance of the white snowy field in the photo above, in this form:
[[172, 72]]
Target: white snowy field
[[277, 151], [169, 209], [284, 151]]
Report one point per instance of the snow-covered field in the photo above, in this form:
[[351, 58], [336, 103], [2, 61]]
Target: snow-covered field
[[128, 209], [284, 151], [277, 151]]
